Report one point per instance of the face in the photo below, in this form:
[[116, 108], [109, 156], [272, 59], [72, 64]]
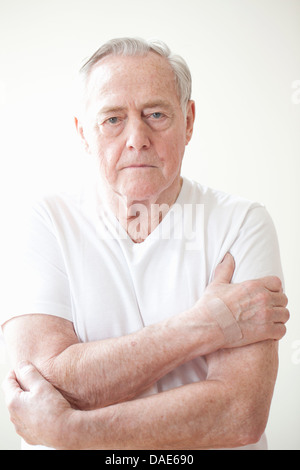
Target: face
[[134, 125]]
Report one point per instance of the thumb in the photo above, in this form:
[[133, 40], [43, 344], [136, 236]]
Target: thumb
[[224, 271], [28, 376]]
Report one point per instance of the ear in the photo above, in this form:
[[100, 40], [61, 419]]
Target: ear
[[190, 119], [80, 132]]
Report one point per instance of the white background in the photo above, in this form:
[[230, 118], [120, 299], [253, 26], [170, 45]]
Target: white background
[[244, 57]]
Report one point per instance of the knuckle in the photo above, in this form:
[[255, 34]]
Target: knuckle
[[274, 282], [39, 388], [13, 418], [285, 300], [252, 284], [12, 404], [287, 314], [266, 317], [263, 297], [250, 287], [268, 314], [282, 331], [277, 282]]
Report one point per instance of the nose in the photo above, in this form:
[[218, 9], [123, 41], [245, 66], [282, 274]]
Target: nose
[[138, 135]]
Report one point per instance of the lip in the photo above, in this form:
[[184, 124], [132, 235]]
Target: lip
[[135, 165]]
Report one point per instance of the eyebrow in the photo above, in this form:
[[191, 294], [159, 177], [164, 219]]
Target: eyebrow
[[110, 109], [156, 104], [147, 105]]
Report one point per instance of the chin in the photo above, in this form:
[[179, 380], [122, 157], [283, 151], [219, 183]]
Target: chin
[[141, 191]]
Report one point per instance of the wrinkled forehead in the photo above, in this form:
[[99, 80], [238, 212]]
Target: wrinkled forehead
[[131, 76]]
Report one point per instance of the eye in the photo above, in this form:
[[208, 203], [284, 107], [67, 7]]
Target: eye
[[158, 120], [113, 120], [156, 115], [111, 126]]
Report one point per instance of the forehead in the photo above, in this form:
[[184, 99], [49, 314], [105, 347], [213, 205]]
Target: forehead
[[131, 78]]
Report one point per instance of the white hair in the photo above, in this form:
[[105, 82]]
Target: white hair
[[138, 46]]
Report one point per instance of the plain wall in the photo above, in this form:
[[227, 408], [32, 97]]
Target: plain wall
[[244, 59]]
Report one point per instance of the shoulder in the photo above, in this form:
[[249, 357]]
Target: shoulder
[[220, 206], [52, 204], [62, 210], [241, 226]]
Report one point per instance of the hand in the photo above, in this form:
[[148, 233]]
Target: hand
[[257, 308], [38, 411]]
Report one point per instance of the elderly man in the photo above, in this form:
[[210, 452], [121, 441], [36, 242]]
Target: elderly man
[[156, 305]]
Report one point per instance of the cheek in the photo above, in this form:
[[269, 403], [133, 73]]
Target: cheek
[[107, 154], [171, 152]]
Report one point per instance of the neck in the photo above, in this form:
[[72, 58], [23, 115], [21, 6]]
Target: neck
[[140, 217]]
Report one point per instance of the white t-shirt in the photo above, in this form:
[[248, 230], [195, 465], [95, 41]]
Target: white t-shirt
[[84, 267]]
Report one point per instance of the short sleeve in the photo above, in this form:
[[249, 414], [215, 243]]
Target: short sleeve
[[36, 280], [256, 249]]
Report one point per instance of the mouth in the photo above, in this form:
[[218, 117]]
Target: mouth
[[138, 166]]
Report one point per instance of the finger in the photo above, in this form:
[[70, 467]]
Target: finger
[[279, 299], [10, 387], [29, 377], [224, 271], [278, 331], [280, 315], [272, 283]]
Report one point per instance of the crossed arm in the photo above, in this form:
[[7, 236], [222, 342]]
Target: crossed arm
[[228, 409]]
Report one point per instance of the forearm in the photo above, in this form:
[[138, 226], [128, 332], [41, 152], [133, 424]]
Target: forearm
[[98, 374], [196, 416], [101, 373], [228, 410]]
